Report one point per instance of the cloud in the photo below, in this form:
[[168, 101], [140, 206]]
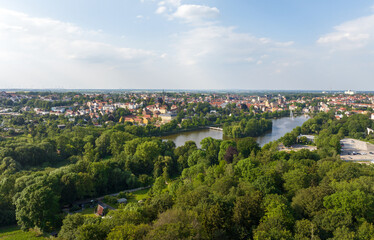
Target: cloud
[[204, 53], [171, 3], [218, 44], [59, 40], [350, 35], [161, 10], [188, 13], [40, 52], [196, 13]]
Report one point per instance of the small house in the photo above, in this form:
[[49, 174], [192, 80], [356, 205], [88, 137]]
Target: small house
[[101, 210]]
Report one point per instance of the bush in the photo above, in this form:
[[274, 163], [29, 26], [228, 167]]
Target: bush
[[110, 199], [122, 195], [126, 195]]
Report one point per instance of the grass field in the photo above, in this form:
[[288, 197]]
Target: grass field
[[14, 233], [139, 195], [88, 212], [135, 197]]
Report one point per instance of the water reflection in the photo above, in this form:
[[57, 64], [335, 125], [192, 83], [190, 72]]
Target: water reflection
[[280, 127]]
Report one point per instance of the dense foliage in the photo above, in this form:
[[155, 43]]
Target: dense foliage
[[269, 195], [247, 128], [228, 189]]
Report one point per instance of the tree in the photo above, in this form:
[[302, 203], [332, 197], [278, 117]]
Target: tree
[[37, 206], [92, 231], [356, 203], [182, 154], [246, 146], [103, 144], [289, 139], [295, 180], [177, 224], [343, 233], [247, 213], [223, 148], [231, 152], [147, 153], [129, 231], [308, 202], [305, 230], [196, 157], [117, 141], [9, 166], [278, 220], [365, 231], [70, 225], [216, 220], [212, 147], [84, 185], [69, 191]]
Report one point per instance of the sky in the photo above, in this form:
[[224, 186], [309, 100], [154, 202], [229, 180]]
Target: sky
[[187, 44]]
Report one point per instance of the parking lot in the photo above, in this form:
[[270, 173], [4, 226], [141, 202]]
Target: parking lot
[[356, 150]]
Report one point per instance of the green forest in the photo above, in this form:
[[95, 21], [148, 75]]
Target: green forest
[[228, 189], [247, 128]]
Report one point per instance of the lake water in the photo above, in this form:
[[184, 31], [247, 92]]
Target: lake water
[[281, 126]]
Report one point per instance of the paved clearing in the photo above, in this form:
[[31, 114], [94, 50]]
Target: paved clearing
[[296, 147], [356, 150]]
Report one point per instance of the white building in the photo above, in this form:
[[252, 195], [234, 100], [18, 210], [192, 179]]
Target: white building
[[350, 92]]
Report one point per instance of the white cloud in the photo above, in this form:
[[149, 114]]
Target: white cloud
[[350, 35], [170, 3], [161, 10], [196, 13], [44, 50], [188, 13], [223, 44], [58, 39]]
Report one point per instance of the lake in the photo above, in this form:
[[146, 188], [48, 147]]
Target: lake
[[281, 126]]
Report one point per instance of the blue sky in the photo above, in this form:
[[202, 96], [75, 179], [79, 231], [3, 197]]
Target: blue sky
[[211, 44]]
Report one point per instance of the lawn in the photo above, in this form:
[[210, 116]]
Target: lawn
[[14, 233], [139, 195], [133, 197], [88, 212]]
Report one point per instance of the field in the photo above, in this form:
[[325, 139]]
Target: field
[[139, 195], [135, 197], [14, 233], [88, 212]]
